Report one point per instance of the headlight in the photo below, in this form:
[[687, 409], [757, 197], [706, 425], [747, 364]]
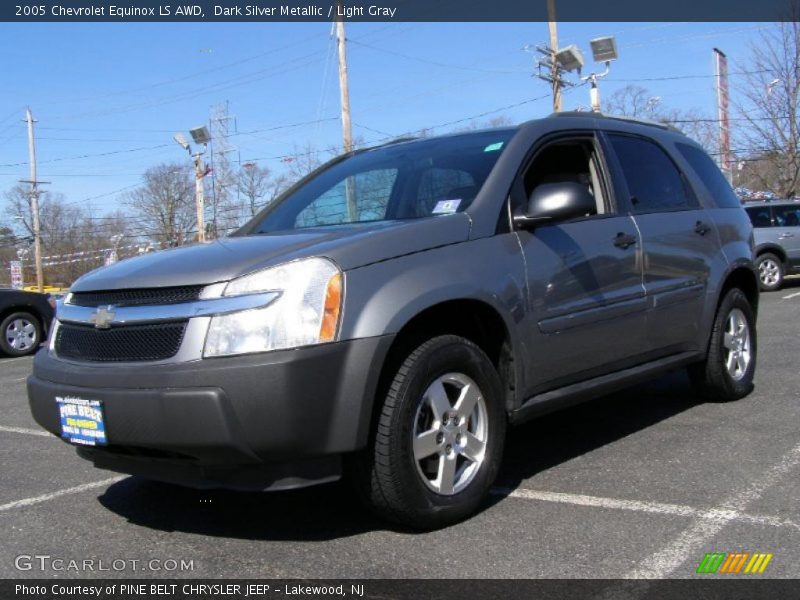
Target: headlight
[[305, 312]]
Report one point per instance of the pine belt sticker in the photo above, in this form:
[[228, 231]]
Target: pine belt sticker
[[446, 207]]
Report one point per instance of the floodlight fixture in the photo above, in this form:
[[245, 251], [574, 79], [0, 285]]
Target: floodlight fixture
[[200, 135], [570, 58], [604, 49], [181, 139]]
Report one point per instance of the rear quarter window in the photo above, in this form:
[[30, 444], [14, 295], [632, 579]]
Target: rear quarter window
[[718, 187], [759, 216]]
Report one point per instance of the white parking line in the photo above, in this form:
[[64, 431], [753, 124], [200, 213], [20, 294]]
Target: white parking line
[[689, 543], [795, 295], [660, 508], [24, 430], [58, 493], [5, 361]]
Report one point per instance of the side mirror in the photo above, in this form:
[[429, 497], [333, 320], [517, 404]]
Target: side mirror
[[556, 202]]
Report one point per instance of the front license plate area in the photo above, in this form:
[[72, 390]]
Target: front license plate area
[[82, 421]]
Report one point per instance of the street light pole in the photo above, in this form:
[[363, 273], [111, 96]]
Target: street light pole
[[199, 198], [201, 137]]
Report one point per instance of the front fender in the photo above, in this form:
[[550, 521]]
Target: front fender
[[381, 298]]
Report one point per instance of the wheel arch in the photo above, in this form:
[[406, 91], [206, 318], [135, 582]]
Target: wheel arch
[[744, 277], [772, 249], [473, 319]]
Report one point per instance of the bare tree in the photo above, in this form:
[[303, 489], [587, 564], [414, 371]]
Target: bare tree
[[164, 206], [74, 240], [632, 101], [640, 103], [258, 188], [768, 107]]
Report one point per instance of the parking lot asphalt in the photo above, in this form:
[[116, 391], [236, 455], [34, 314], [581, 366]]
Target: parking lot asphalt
[[642, 483]]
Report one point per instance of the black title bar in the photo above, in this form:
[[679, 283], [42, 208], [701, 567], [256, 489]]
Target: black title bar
[[395, 10]]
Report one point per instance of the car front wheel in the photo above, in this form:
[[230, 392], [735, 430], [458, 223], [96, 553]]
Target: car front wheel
[[439, 437], [21, 334]]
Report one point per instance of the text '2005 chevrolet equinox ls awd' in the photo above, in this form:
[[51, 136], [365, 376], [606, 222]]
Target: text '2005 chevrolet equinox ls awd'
[[391, 313]]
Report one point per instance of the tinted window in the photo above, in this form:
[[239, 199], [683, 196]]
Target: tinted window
[[710, 175], [654, 182], [759, 216], [406, 180], [365, 200], [787, 216], [444, 184]]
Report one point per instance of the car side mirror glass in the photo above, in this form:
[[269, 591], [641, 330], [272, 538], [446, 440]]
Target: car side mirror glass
[[551, 202]]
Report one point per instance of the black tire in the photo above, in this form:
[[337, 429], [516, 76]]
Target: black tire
[[387, 473], [770, 272], [712, 378], [28, 342]]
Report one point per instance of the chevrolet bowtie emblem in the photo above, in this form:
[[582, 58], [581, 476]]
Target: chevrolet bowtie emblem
[[103, 317]]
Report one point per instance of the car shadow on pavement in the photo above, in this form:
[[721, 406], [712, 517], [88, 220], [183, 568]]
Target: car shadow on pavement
[[559, 437], [332, 511]]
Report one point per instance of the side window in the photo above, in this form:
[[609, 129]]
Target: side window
[[759, 216], [567, 161], [654, 182], [710, 175], [787, 216], [365, 194], [441, 184]]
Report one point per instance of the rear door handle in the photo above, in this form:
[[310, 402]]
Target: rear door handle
[[783, 236], [623, 240], [701, 228]]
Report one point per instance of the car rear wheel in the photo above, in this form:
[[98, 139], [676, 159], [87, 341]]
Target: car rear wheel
[[729, 368], [439, 437], [21, 334], [770, 272]]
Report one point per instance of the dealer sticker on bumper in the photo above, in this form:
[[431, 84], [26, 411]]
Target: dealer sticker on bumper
[[82, 421]]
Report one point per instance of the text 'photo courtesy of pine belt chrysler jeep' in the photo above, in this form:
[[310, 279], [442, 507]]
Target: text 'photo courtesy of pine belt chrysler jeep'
[[389, 315]]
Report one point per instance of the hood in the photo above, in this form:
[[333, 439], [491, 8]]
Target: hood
[[350, 246]]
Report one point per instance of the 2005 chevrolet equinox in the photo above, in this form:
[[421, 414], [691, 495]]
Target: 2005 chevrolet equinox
[[392, 312]]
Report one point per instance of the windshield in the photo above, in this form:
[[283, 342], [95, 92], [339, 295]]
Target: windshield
[[408, 180]]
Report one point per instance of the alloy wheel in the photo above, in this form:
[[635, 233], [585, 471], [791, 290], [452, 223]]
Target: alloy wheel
[[450, 433]]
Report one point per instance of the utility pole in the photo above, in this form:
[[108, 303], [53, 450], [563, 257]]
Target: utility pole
[[551, 21], [34, 194], [344, 96], [344, 89]]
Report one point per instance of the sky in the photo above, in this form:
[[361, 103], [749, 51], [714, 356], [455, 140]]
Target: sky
[[108, 97]]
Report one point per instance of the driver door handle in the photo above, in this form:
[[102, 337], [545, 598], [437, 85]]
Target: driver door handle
[[623, 240], [701, 228], [783, 236]]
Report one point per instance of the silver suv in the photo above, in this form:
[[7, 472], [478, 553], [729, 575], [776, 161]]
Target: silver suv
[[393, 312], [776, 226]]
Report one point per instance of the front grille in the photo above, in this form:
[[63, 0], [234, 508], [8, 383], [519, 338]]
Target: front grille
[[138, 297], [124, 343]]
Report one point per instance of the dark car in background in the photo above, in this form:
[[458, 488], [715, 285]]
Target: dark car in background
[[776, 227], [25, 319], [394, 311]]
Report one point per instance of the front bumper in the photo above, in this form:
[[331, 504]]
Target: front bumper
[[272, 420]]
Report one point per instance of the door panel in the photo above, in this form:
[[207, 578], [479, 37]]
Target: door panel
[[787, 231], [586, 295], [677, 263]]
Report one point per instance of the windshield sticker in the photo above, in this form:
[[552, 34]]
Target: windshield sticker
[[493, 147], [446, 207]]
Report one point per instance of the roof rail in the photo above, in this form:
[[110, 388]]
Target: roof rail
[[597, 115]]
